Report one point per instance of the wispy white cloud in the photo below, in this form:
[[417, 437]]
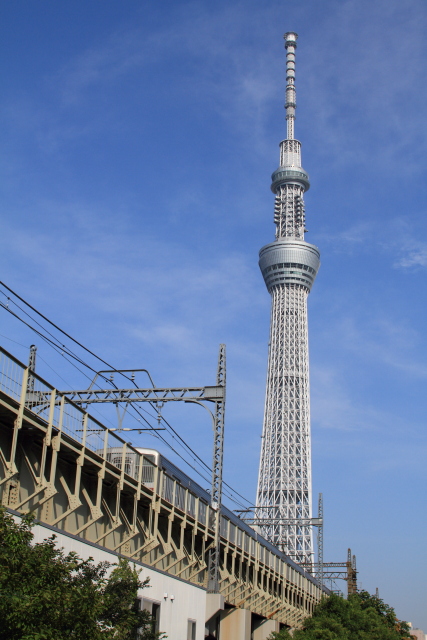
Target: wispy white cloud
[[334, 407], [159, 291], [381, 339], [218, 69], [358, 72], [399, 241], [414, 254], [393, 454], [384, 441], [355, 75], [350, 238]]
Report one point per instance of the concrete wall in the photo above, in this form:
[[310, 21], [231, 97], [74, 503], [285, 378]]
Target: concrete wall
[[188, 601], [264, 628], [179, 601], [235, 624]]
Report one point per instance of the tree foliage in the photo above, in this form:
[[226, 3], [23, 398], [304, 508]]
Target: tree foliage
[[46, 594], [361, 617]]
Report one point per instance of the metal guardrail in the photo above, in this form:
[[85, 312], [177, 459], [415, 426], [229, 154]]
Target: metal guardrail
[[80, 426], [47, 403], [11, 371]]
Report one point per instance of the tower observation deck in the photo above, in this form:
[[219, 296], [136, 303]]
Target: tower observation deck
[[289, 266]]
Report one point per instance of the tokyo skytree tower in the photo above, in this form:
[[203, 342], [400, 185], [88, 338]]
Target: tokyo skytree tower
[[289, 266]]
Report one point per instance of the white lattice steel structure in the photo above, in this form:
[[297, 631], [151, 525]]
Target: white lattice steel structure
[[289, 266]]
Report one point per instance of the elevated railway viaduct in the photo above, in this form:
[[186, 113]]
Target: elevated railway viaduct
[[92, 488]]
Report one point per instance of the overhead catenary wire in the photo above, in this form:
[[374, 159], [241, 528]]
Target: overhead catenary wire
[[45, 361], [19, 343], [60, 348], [194, 454]]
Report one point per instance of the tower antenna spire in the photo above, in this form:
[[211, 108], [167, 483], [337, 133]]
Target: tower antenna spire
[[291, 99]]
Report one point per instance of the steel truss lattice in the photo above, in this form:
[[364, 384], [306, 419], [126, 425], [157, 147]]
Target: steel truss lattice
[[285, 473], [289, 266]]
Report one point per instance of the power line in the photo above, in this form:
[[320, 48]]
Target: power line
[[21, 345], [60, 348]]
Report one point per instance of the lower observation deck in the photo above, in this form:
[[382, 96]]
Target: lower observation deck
[[289, 261]]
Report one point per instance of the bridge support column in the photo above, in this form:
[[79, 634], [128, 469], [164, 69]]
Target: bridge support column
[[263, 629], [235, 624], [214, 604]]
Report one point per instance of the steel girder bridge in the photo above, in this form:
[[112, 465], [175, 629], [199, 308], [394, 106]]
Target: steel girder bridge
[[76, 475]]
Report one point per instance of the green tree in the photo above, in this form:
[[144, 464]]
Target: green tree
[[283, 634], [46, 594], [361, 617], [387, 613]]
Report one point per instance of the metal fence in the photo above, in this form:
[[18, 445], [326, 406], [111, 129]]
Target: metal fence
[[52, 407]]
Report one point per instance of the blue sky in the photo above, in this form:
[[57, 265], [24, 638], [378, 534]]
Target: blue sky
[[138, 142]]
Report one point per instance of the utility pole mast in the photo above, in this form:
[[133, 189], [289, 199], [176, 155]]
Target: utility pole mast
[[289, 266], [32, 367], [339, 570], [216, 493], [314, 568], [351, 574], [319, 572]]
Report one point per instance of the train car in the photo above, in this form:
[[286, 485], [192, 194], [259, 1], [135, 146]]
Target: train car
[[232, 527]]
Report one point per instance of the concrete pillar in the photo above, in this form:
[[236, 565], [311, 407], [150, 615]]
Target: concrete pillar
[[214, 607], [235, 624], [214, 603], [264, 628]]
